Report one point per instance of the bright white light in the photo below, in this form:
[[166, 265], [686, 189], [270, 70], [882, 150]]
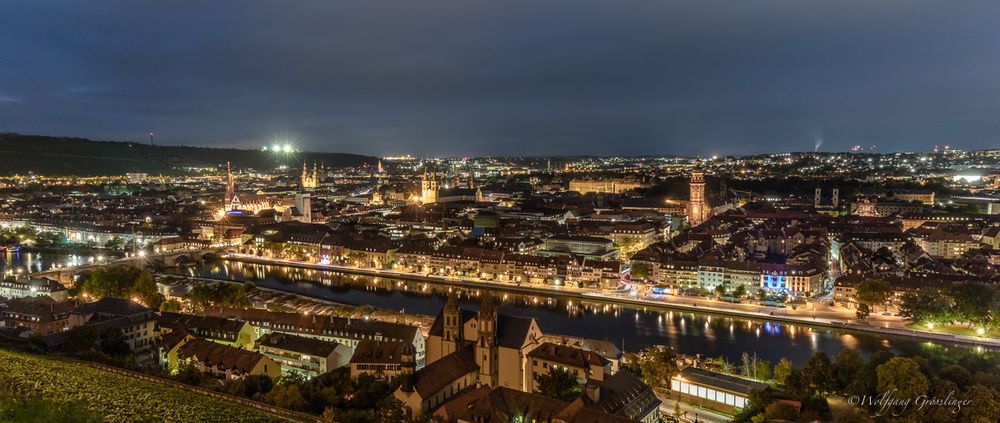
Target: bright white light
[[286, 148]]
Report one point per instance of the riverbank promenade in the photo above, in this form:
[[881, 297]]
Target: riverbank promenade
[[810, 314]]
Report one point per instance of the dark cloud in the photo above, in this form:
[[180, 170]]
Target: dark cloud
[[512, 77]]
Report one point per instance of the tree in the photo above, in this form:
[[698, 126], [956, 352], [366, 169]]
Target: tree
[[761, 294], [190, 375], [116, 243], [941, 389], [763, 370], [755, 368], [113, 343], [220, 294], [974, 303], [559, 384], [122, 282], [720, 290], [926, 305], [818, 373], [902, 377], [640, 270], [782, 370], [724, 365], [740, 292], [81, 339], [657, 365], [983, 407], [287, 396], [250, 386], [172, 306], [873, 292], [846, 367], [145, 289], [957, 374], [777, 411]]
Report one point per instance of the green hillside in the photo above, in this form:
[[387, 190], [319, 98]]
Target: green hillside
[[112, 397], [21, 154]]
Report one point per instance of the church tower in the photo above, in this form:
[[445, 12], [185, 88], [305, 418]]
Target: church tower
[[310, 180], [429, 187], [230, 189], [486, 346], [697, 211], [452, 325]]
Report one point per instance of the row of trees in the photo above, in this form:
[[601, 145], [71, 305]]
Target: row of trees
[[137, 284], [961, 374], [220, 294], [972, 303], [121, 282], [975, 379]]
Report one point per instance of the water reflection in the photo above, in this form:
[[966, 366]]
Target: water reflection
[[23, 262], [630, 328]]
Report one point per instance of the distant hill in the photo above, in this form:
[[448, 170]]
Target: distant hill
[[21, 154]]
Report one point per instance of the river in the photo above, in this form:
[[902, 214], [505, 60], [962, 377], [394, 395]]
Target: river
[[632, 327], [34, 261]]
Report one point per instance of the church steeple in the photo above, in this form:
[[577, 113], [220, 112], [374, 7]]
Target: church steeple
[[452, 325], [230, 188], [429, 187], [309, 179], [486, 345]]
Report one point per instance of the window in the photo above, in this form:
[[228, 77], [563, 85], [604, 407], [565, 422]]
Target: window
[[740, 402]]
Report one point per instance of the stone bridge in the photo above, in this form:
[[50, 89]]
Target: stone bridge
[[67, 276]]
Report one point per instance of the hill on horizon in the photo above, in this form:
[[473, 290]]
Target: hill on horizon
[[44, 155]]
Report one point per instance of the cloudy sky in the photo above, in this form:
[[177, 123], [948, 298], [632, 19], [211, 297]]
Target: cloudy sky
[[507, 77]]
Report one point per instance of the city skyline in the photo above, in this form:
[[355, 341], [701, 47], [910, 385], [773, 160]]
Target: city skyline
[[451, 211], [463, 79]]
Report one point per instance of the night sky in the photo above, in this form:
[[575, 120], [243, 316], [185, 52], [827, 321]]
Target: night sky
[[507, 77]]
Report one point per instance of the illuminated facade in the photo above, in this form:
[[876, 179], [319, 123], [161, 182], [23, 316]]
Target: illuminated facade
[[610, 186], [697, 209], [429, 185], [712, 390], [310, 180]]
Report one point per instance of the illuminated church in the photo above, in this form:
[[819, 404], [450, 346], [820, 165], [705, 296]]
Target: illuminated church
[[431, 191], [310, 180], [297, 208], [469, 348]]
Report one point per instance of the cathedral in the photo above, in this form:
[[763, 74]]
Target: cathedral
[[310, 180], [467, 349], [253, 203], [484, 365], [432, 192], [429, 186], [298, 208]]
